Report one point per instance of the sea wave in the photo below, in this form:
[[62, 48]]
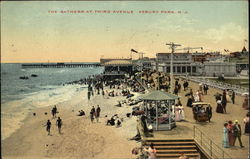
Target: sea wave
[[15, 111]]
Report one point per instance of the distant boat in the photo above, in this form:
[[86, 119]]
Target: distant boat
[[24, 77], [33, 75]]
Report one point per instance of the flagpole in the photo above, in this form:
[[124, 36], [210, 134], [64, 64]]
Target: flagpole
[[245, 42]]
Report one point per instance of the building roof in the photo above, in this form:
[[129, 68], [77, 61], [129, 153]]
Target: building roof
[[118, 62], [159, 95], [244, 49], [176, 53]]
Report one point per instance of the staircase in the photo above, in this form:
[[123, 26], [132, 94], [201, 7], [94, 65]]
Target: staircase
[[172, 148]]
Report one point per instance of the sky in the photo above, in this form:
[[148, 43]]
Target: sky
[[36, 31]]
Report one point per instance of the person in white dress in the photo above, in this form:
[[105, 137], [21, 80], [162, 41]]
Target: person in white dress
[[197, 97], [182, 113]]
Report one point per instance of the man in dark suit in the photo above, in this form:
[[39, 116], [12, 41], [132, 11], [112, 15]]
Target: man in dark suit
[[205, 88], [209, 112], [237, 132], [195, 111], [233, 97]]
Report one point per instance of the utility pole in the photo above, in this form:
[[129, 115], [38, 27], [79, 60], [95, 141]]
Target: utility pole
[[172, 47]]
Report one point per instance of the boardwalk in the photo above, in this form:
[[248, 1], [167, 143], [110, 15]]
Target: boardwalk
[[212, 130], [220, 85]]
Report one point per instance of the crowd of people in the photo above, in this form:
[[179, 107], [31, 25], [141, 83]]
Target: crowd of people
[[226, 97], [159, 81], [114, 121], [231, 132]]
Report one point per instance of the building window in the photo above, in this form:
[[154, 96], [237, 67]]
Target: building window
[[178, 69], [174, 69], [168, 69], [183, 69], [189, 69], [193, 69]]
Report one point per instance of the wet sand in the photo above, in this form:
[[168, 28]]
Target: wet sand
[[80, 138]]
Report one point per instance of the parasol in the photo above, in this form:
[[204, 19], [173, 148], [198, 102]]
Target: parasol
[[245, 94]]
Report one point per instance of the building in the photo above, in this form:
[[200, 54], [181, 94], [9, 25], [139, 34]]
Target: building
[[240, 54], [117, 68], [219, 68], [199, 57], [205, 56], [182, 64], [241, 59], [145, 63], [186, 64]]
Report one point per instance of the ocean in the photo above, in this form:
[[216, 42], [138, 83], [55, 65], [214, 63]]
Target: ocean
[[18, 96]]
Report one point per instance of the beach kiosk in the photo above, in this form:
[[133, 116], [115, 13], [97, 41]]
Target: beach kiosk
[[159, 108], [116, 68]]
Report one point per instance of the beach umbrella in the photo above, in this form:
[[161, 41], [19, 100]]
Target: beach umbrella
[[187, 94], [218, 94], [245, 94]]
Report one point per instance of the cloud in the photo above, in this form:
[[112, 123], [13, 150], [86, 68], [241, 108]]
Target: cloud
[[229, 31], [175, 23]]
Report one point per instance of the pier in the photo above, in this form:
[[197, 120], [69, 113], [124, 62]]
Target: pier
[[61, 65]]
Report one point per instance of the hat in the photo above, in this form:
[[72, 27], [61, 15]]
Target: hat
[[236, 121]]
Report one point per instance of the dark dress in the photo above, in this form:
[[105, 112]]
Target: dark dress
[[247, 128], [98, 110], [189, 102], [245, 103], [224, 101], [219, 108]]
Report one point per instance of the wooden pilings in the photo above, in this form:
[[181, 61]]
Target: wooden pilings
[[60, 65]]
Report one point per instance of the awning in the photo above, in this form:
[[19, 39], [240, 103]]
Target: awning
[[118, 62]]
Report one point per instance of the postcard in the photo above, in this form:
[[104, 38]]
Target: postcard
[[124, 79]]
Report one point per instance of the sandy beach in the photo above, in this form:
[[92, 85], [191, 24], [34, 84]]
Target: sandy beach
[[82, 139]]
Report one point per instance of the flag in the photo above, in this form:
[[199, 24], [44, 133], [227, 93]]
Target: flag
[[134, 51]]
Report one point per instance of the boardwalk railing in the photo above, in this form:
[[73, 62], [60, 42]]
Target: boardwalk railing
[[138, 79], [220, 85], [207, 146]]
